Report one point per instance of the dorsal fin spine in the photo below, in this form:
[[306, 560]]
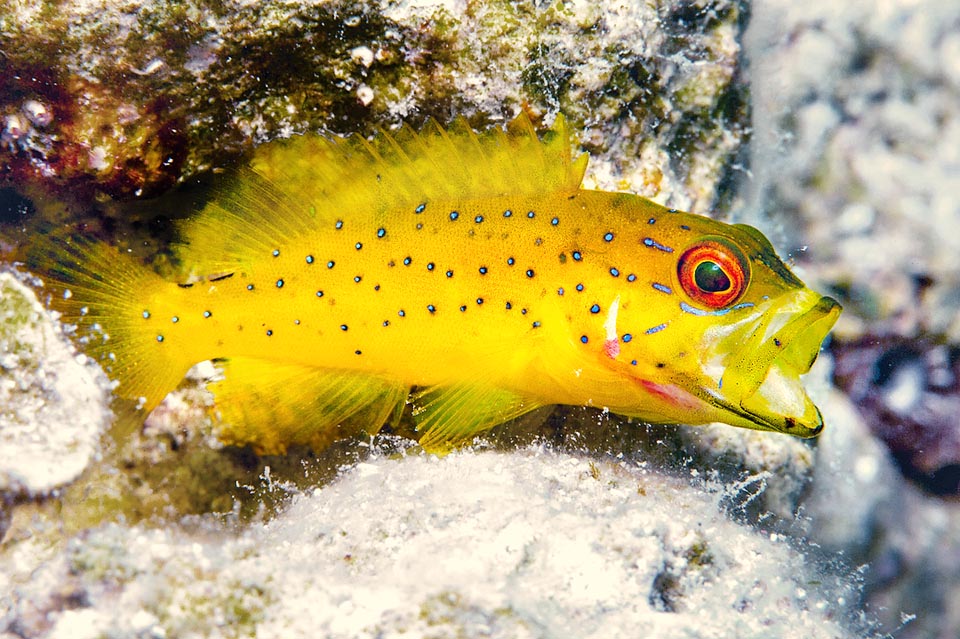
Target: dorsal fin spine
[[298, 186]]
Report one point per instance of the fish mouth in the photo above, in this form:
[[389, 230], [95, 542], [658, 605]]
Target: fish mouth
[[760, 383]]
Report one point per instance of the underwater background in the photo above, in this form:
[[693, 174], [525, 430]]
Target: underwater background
[[833, 127]]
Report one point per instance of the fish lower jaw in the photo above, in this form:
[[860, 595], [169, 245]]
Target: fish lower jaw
[[780, 403]]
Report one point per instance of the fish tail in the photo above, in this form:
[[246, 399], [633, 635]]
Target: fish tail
[[116, 305]]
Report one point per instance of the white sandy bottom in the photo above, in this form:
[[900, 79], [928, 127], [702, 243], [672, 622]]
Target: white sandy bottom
[[529, 544]]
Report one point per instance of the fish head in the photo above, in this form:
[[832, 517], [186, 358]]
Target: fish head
[[732, 330], [762, 329]]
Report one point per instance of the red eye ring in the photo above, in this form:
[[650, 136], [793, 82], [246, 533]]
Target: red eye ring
[[713, 273]]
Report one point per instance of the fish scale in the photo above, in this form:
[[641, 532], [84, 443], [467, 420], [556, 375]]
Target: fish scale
[[331, 287]]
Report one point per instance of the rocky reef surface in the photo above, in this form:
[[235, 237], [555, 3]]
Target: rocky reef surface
[[126, 99], [831, 126]]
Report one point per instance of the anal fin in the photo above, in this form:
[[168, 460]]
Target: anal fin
[[449, 416], [271, 406]]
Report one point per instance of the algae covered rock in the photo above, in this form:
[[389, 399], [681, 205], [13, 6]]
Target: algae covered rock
[[128, 99]]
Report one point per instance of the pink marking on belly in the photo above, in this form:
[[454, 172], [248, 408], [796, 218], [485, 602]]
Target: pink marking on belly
[[671, 394], [612, 348]]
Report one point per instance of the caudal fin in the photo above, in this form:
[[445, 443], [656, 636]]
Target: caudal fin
[[107, 295]]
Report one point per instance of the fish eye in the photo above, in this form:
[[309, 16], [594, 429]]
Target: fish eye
[[709, 277], [713, 272]]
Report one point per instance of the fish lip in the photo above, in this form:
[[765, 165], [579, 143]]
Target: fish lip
[[760, 385]]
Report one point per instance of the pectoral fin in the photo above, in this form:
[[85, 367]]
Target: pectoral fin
[[453, 415], [272, 406]]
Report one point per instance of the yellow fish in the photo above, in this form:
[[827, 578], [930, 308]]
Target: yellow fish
[[337, 275]]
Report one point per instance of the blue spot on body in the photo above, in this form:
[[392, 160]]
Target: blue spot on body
[[319, 293], [402, 313], [530, 272], [663, 288], [174, 319], [381, 232], [631, 278], [357, 279], [509, 306], [536, 325], [652, 220], [463, 308], [431, 308], [478, 219], [595, 309], [608, 237], [580, 287], [159, 338], [649, 241], [430, 266], [449, 273], [531, 214], [479, 301], [207, 314], [686, 308], [358, 246], [330, 264], [577, 256], [655, 329], [344, 327], [421, 208], [555, 221], [276, 252], [338, 225], [584, 339], [615, 272], [510, 261], [269, 332], [627, 337], [279, 283], [560, 291], [483, 270], [249, 287], [309, 259], [146, 314], [508, 213], [406, 261], [454, 215]]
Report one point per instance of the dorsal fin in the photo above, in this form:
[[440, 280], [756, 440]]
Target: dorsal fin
[[295, 186]]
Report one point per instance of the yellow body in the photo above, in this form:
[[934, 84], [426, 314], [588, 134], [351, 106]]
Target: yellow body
[[338, 275]]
